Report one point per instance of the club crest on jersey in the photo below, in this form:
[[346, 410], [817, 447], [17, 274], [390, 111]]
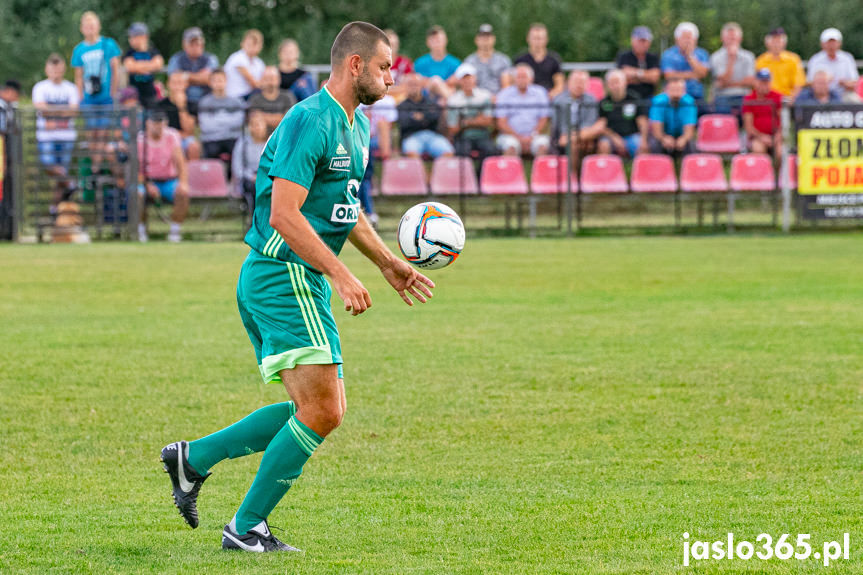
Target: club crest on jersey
[[345, 213]]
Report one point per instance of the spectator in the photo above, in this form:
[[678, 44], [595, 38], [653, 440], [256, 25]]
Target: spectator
[[96, 60], [162, 174], [673, 116], [271, 102], [522, 114], [291, 76], [176, 107], [819, 91], [141, 61], [639, 64], [761, 116], [243, 68], [840, 64], [623, 118], [55, 99], [197, 64], [576, 116], [492, 67], [11, 91], [247, 155], [469, 115], [547, 71], [785, 67], [438, 66], [733, 71], [686, 61], [418, 122], [402, 65], [221, 119], [382, 115]]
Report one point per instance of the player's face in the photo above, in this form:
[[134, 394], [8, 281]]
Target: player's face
[[375, 79]]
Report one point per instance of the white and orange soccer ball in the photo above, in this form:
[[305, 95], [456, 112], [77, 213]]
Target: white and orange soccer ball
[[431, 235]]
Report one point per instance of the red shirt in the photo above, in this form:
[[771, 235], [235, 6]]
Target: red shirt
[[765, 111], [156, 157], [402, 65]]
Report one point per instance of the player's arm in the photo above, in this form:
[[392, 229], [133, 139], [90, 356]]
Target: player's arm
[[404, 278], [298, 233]]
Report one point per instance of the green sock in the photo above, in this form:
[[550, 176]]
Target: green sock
[[251, 434], [281, 465]]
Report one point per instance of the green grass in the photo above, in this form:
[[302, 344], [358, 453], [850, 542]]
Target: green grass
[[559, 407]]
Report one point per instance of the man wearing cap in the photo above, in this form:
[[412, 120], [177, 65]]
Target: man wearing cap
[[639, 64], [833, 59], [733, 70], [761, 116], [686, 61], [785, 67], [491, 66], [197, 63], [141, 61], [469, 115]]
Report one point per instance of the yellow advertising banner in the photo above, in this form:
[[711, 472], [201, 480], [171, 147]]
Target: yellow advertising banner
[[830, 161]]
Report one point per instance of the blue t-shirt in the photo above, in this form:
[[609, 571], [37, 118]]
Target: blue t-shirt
[[426, 66], [673, 118], [95, 60], [673, 61]]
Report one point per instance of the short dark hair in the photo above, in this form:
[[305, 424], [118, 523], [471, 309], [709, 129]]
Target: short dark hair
[[436, 29], [12, 84], [359, 38], [218, 71]]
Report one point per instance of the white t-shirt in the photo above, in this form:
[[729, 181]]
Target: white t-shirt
[[382, 110], [842, 68], [64, 94], [237, 86]]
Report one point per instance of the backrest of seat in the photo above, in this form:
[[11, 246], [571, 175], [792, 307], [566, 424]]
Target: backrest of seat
[[596, 88], [503, 175], [403, 177], [703, 173], [207, 179], [603, 173], [453, 175], [653, 173], [752, 172], [548, 175], [718, 133]]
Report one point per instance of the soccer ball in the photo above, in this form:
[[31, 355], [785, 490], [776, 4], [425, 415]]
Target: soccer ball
[[431, 235]]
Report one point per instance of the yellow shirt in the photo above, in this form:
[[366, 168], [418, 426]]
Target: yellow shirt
[[786, 70]]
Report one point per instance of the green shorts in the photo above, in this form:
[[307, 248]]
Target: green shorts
[[285, 309]]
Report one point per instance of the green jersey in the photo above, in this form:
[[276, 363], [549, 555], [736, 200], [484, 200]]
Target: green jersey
[[316, 147]]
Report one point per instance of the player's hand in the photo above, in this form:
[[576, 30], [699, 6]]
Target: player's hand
[[405, 279], [351, 290]]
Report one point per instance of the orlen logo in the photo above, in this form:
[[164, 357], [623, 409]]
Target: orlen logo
[[345, 213]]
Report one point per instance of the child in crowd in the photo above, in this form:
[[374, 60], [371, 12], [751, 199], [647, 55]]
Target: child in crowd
[[247, 155]]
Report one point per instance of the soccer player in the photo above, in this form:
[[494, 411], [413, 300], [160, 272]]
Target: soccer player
[[306, 207]]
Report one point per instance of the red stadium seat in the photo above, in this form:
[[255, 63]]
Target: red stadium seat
[[452, 175], [653, 173], [596, 88], [548, 175], [603, 173], [860, 87], [790, 173], [703, 173], [718, 134], [503, 175], [207, 179], [752, 172], [403, 177]]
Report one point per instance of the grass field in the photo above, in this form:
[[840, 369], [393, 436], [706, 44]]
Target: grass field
[[559, 407]]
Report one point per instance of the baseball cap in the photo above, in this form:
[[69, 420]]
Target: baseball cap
[[778, 31], [763, 74], [138, 29], [485, 29], [831, 34], [642, 33], [465, 70], [193, 33]]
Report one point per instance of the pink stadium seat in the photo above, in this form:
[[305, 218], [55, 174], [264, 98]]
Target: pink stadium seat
[[403, 177], [603, 173], [653, 173], [790, 175], [718, 134], [207, 179], [752, 172], [860, 87], [452, 175], [503, 175], [703, 173], [548, 175], [596, 88]]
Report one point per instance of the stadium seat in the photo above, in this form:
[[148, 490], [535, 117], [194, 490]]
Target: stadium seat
[[703, 173], [207, 179], [452, 175], [503, 175], [790, 174], [548, 175], [752, 173], [653, 173], [718, 134], [603, 173], [403, 177], [596, 88], [860, 87]]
